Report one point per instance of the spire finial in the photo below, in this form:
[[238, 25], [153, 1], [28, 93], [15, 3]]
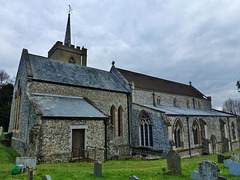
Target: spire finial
[[67, 40]]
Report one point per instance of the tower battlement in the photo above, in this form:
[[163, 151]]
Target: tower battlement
[[68, 53]]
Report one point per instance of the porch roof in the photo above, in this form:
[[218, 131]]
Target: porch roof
[[66, 106]]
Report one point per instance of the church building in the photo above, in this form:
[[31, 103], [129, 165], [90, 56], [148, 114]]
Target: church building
[[64, 110]]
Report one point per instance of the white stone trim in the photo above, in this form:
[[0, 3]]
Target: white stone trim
[[84, 127]]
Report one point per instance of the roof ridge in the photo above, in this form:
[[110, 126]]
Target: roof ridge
[[153, 77]]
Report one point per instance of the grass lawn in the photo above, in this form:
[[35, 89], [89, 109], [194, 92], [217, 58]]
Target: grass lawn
[[120, 169]]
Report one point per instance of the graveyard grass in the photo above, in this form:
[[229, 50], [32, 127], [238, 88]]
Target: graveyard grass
[[120, 169]]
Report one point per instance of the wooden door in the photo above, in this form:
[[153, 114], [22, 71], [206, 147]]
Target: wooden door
[[78, 143]]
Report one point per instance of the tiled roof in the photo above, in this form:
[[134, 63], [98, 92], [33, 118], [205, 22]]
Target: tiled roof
[[67, 73], [65, 106], [142, 81], [187, 111]]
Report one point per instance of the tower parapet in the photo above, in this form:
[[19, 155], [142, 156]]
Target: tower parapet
[[68, 53]]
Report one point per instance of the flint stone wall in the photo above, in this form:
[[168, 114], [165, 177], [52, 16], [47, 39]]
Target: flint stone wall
[[56, 138], [102, 100], [160, 133], [147, 98]]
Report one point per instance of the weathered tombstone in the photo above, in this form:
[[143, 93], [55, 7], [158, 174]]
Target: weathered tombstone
[[46, 177], [236, 155], [174, 161], [194, 175], [133, 178], [207, 170], [1, 128], [27, 161], [227, 162], [220, 158], [222, 178], [234, 168], [98, 169]]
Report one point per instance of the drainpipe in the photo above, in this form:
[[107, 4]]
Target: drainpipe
[[129, 110], [229, 133], [189, 145], [105, 123]]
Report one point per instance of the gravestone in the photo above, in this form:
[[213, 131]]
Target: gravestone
[[207, 170], [227, 162], [195, 175], [236, 155], [234, 168], [27, 161], [1, 128], [133, 178], [46, 177], [98, 169], [220, 158], [174, 161]]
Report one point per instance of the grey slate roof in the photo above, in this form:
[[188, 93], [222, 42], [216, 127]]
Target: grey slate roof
[[61, 72], [187, 111], [65, 106]]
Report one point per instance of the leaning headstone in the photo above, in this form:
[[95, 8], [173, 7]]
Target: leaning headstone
[[236, 155], [221, 178], [1, 128], [220, 158], [207, 170], [46, 177], [98, 169], [133, 178], [27, 161], [174, 161], [234, 168], [194, 175], [227, 162]]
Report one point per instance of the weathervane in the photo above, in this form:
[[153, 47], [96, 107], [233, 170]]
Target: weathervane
[[70, 9]]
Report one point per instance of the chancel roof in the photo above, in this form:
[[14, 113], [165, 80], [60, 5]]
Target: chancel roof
[[65, 106], [187, 111], [145, 82], [56, 71]]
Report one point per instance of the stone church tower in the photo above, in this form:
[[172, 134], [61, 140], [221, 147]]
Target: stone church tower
[[67, 52]]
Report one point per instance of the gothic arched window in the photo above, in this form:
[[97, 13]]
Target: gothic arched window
[[178, 134], [196, 133], [120, 121], [145, 130], [233, 131], [113, 117]]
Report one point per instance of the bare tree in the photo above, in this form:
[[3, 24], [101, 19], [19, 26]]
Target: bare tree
[[232, 106], [4, 77]]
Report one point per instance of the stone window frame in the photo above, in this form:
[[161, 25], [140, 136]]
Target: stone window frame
[[233, 131], [113, 118], [17, 108], [188, 103], [145, 130], [178, 136], [159, 100], [199, 104], [120, 121], [175, 102], [85, 128], [196, 130]]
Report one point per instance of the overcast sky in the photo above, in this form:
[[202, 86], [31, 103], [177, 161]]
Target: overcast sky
[[178, 40]]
